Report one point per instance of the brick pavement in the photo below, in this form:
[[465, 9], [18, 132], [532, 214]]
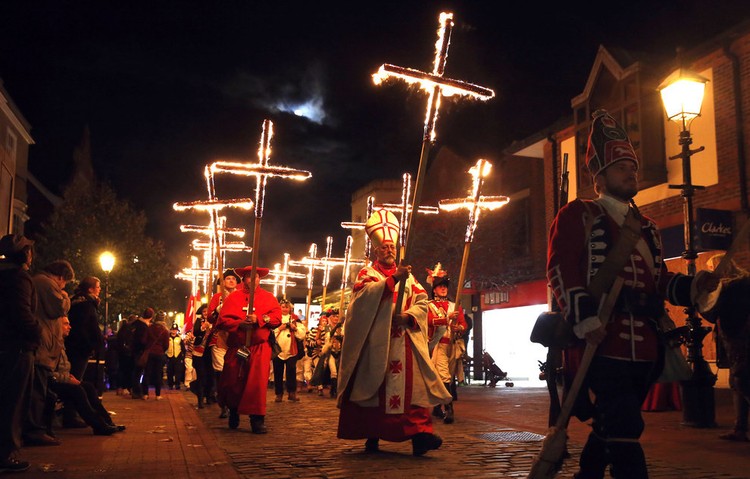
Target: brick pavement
[[497, 434]]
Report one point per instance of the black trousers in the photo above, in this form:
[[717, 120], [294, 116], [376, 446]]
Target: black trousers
[[15, 377], [278, 375], [125, 371], [38, 418], [204, 374], [620, 388], [84, 399], [175, 371], [154, 373]]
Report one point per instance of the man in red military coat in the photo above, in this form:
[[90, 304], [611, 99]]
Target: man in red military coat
[[447, 348], [628, 358], [242, 387]]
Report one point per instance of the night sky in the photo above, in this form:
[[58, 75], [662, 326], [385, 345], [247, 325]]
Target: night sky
[[167, 87]]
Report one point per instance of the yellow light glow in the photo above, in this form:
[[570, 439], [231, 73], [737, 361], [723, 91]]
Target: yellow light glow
[[475, 203], [209, 230], [198, 245], [107, 261], [434, 83], [682, 94], [214, 205], [489, 203]]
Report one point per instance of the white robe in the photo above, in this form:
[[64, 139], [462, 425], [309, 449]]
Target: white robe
[[377, 356]]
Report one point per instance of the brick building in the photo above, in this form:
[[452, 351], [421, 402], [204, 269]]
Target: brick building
[[15, 139], [626, 84]]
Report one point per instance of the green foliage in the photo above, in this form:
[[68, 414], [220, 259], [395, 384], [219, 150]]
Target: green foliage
[[91, 220]]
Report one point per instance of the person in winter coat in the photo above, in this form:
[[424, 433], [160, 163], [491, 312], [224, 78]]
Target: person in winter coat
[[158, 342], [85, 337]]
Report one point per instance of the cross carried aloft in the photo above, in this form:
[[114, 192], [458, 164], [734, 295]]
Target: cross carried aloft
[[191, 275], [357, 225], [237, 246], [437, 86], [404, 208], [475, 204], [261, 170], [213, 206], [281, 275], [309, 263]]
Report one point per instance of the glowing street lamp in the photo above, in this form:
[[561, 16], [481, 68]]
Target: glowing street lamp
[[682, 95], [107, 262]]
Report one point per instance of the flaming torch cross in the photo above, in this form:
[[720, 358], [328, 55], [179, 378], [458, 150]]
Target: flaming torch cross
[[261, 171], [354, 225], [405, 209], [475, 204], [215, 227], [308, 262], [437, 86], [281, 277]]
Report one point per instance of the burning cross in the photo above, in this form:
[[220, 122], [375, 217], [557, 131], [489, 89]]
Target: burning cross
[[434, 83], [309, 263], [351, 225], [437, 86], [404, 208], [216, 225], [261, 171], [192, 275], [281, 277], [475, 204]]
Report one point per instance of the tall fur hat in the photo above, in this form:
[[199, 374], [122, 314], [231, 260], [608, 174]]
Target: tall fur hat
[[608, 143]]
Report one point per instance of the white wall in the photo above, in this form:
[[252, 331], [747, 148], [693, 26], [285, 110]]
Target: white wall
[[506, 337]]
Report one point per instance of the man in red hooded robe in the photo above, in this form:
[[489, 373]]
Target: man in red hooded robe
[[242, 387]]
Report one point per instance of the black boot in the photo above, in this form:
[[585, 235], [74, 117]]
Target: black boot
[[423, 442], [437, 411], [200, 403], [257, 424], [372, 445], [234, 419], [448, 419], [334, 388]]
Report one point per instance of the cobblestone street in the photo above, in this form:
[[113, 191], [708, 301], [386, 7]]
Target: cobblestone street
[[497, 433]]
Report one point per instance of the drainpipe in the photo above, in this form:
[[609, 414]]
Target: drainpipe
[[739, 121], [555, 173]]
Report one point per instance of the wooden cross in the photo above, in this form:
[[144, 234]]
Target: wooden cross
[[475, 204], [236, 246], [281, 276], [352, 225], [261, 171], [213, 206], [405, 209], [345, 275], [437, 86], [309, 263]]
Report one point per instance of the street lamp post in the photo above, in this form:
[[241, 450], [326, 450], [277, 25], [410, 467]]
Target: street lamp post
[[107, 261], [682, 95]]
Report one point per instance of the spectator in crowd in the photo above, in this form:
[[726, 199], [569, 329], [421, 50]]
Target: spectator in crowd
[[287, 335], [21, 337], [81, 396], [731, 313], [124, 345], [86, 338], [51, 306], [158, 342], [139, 338]]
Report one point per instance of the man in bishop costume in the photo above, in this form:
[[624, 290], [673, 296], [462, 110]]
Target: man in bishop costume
[[387, 382]]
